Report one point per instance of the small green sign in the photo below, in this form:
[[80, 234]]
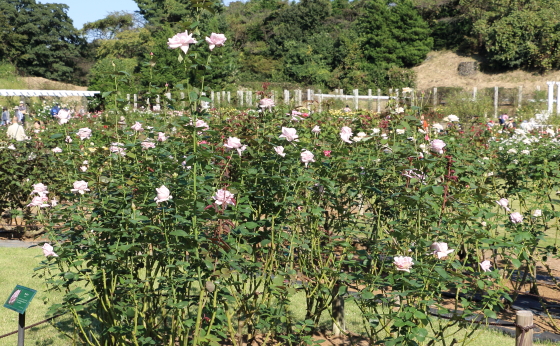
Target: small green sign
[[19, 299]]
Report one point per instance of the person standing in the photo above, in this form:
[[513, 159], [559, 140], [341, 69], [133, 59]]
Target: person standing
[[16, 131], [54, 110], [5, 120], [22, 111]]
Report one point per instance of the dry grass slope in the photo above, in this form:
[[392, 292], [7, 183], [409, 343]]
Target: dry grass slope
[[440, 70]]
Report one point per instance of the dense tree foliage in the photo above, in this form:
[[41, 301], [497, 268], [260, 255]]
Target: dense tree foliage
[[39, 39]]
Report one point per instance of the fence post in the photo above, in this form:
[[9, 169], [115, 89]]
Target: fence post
[[557, 97], [21, 329], [308, 94], [356, 100], [182, 98], [286, 97], [320, 100], [135, 101], [218, 99], [212, 98], [250, 98], [474, 91], [223, 96], [435, 98], [519, 95], [240, 97], [229, 97], [378, 100], [369, 99], [273, 95], [524, 337], [496, 102], [128, 99]]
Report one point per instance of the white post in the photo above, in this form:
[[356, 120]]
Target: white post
[[135, 101], [435, 100], [557, 97], [474, 90], [182, 98], [550, 96], [286, 96], [212, 98], [240, 97], [229, 97], [519, 95], [128, 99], [223, 96], [308, 94], [298, 93], [218, 99], [356, 103], [496, 102], [250, 98], [378, 100], [273, 96]]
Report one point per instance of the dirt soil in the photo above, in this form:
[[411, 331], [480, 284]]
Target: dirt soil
[[440, 70]]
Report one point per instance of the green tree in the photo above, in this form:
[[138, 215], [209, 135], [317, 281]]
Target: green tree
[[164, 12], [39, 39]]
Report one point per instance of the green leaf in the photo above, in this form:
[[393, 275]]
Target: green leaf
[[438, 190]]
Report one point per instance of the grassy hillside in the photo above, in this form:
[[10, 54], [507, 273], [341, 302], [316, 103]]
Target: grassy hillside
[[440, 70]]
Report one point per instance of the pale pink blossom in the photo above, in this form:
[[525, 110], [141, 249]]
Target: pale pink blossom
[[56, 150], [80, 186], [437, 146], [441, 250], [233, 143], [403, 263], [182, 40], [39, 201], [316, 129], [289, 133], [117, 148], [224, 197], [54, 202], [485, 266], [307, 157], [68, 139], [137, 127], [503, 202], [161, 137], [83, 168], [84, 133], [537, 213], [280, 151], [215, 40], [163, 194], [40, 189], [516, 217], [266, 103], [345, 134], [147, 145], [242, 149], [48, 250], [202, 123]]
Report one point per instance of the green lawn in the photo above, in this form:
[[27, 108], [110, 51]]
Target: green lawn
[[16, 268]]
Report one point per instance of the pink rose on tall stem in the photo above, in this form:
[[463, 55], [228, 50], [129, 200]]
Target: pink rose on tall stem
[[403, 263], [163, 194], [80, 186], [437, 146], [39, 201], [345, 134], [307, 157], [316, 129], [83, 133], [280, 151], [266, 103], [137, 127], [233, 143], [215, 40], [182, 40], [224, 197], [147, 145], [48, 250], [516, 217], [503, 202], [161, 137], [40, 189], [289, 133], [441, 250], [485, 266]]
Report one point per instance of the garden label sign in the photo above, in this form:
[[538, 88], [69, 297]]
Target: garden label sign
[[19, 299]]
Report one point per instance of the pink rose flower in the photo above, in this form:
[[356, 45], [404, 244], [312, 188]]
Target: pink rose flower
[[316, 129], [345, 134], [403, 263], [242, 149], [68, 139], [56, 150], [215, 40], [147, 145], [503, 202], [485, 266], [280, 151], [80, 186], [266, 103], [54, 202], [163, 194], [182, 40], [537, 213], [40, 189], [441, 250], [117, 148], [437, 146], [515, 217], [161, 137], [137, 127], [233, 143], [83, 168], [289, 133], [224, 197], [84, 133], [327, 153], [39, 201], [48, 250], [307, 157]]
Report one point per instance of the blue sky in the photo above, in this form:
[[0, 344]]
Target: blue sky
[[83, 11]]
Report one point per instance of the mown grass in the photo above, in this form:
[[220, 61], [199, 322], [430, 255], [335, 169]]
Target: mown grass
[[16, 268]]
